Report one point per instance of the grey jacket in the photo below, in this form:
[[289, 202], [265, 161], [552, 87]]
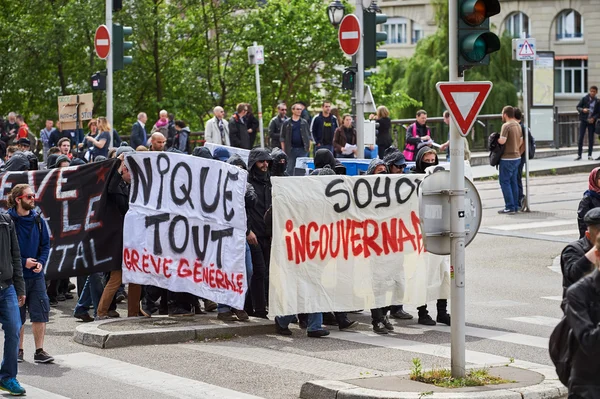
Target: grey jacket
[[11, 270], [286, 135]]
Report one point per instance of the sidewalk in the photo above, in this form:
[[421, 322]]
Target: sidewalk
[[560, 162]]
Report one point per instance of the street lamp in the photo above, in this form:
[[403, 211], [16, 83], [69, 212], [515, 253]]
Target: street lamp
[[336, 11], [373, 7]]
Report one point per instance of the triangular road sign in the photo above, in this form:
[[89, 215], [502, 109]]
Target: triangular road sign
[[526, 50], [464, 100]]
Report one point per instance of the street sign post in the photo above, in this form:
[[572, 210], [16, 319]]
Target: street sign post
[[102, 42], [464, 101], [349, 34], [525, 49], [256, 57]]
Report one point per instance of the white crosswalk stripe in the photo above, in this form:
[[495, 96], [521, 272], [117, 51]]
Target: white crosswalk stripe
[[36, 393], [533, 225], [169, 385], [537, 320], [553, 298], [560, 233]]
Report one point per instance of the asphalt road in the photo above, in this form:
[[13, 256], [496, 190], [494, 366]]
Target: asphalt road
[[513, 296]]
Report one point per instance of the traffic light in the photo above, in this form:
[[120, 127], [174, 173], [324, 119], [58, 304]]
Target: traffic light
[[348, 78], [475, 41], [117, 5], [99, 81], [372, 37], [120, 45]]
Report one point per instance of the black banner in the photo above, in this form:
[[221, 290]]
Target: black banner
[[85, 228]]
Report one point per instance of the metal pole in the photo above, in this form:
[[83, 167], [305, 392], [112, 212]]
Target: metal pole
[[260, 118], [526, 124], [109, 71], [457, 212], [360, 85]]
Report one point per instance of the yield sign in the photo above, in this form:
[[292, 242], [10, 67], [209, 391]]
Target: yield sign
[[526, 50], [464, 100], [102, 41], [349, 34]]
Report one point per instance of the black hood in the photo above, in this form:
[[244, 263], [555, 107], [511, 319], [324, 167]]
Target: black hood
[[202, 152], [236, 160], [389, 151], [420, 166], [324, 157], [51, 161], [279, 164], [17, 163], [61, 158], [324, 171], [78, 161], [277, 154], [258, 154]]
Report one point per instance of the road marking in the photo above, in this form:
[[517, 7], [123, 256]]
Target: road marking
[[367, 338], [37, 393], [553, 298], [556, 265], [170, 385], [494, 335], [502, 303], [325, 369], [532, 225], [528, 236], [562, 233], [537, 320]]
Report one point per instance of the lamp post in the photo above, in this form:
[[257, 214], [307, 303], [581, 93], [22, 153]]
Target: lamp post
[[336, 11]]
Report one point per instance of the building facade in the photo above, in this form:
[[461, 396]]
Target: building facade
[[569, 28]]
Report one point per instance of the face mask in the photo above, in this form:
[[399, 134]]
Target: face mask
[[279, 168]]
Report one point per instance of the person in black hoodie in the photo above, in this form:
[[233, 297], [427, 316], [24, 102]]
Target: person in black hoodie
[[279, 164], [323, 126], [590, 200], [426, 157], [583, 315], [258, 238], [238, 131]]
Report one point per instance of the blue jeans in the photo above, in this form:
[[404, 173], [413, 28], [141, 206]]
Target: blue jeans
[[292, 154], [226, 308], [314, 321], [91, 294], [509, 171], [10, 319]]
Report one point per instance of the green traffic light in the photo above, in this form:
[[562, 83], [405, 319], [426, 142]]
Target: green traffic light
[[476, 46]]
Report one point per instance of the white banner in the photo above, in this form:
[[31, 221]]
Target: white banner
[[344, 243], [242, 152], [186, 226]]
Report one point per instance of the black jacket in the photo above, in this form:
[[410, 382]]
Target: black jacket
[[11, 271], [139, 136], [262, 188], [275, 130], [589, 201], [583, 315], [419, 165], [238, 133], [318, 126], [573, 262], [56, 135], [384, 137], [585, 103]]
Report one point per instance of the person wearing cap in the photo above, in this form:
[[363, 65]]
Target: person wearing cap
[[579, 257], [24, 144], [396, 162], [221, 154]]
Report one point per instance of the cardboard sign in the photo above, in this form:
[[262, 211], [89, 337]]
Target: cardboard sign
[[67, 109]]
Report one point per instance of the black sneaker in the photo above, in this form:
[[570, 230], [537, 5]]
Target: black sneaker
[[347, 324], [68, 295], [209, 306], [402, 315], [317, 334], [379, 328], [443, 318], [42, 357], [85, 317], [241, 314], [53, 302], [329, 319], [113, 314], [227, 316], [426, 320], [71, 286], [506, 212], [388, 326], [578, 158], [198, 309], [20, 356], [61, 298], [282, 330], [180, 312], [120, 297]]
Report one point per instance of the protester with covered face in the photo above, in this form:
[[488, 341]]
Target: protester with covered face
[[280, 162]]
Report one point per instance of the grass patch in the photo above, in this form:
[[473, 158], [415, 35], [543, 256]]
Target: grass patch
[[443, 377]]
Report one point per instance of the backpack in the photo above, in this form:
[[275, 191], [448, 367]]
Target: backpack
[[496, 149], [563, 346], [531, 142]]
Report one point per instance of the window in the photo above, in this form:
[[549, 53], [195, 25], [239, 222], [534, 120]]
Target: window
[[516, 23], [569, 25], [396, 30], [417, 32], [570, 76]]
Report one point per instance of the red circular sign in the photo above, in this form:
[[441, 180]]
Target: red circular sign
[[102, 42], [349, 34]]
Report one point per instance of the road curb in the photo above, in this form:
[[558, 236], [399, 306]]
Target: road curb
[[567, 170], [92, 334], [549, 388]]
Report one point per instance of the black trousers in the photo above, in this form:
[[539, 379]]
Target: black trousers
[[591, 129], [259, 284]]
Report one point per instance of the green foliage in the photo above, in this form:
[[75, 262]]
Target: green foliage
[[416, 371], [188, 56], [443, 378]]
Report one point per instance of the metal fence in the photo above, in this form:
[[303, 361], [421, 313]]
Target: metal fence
[[565, 131]]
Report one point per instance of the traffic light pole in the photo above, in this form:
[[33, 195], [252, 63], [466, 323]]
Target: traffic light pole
[[360, 85], [109, 71], [457, 212]]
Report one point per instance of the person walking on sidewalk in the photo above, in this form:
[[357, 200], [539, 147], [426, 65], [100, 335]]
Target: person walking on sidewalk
[[34, 245], [511, 137], [589, 111], [12, 286]]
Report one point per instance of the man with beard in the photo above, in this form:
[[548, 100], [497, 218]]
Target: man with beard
[[34, 244], [258, 237]]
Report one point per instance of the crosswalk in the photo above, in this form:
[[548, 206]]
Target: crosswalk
[[558, 229]]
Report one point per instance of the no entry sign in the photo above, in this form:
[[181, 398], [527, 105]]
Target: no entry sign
[[349, 34], [102, 42]]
